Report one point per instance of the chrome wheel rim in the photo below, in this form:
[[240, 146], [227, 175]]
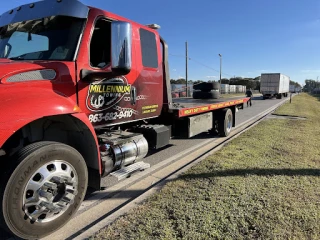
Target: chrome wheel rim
[[50, 191], [229, 123]]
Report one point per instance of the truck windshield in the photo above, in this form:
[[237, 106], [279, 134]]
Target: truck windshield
[[51, 38]]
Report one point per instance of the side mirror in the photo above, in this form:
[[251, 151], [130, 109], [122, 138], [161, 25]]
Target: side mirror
[[121, 45]]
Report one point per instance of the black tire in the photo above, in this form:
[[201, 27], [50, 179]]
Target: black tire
[[225, 120], [206, 95], [14, 182], [207, 87]]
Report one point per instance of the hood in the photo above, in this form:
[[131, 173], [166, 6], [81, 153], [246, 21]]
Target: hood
[[9, 68]]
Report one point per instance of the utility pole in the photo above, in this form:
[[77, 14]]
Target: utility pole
[[187, 69], [220, 69]]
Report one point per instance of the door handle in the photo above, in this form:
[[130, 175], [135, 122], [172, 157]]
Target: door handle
[[133, 95]]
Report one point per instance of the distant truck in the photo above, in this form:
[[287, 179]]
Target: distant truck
[[274, 85], [294, 89]]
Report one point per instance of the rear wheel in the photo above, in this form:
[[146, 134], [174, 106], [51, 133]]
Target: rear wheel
[[43, 186], [225, 122]]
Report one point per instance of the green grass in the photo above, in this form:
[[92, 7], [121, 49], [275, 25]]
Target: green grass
[[264, 184]]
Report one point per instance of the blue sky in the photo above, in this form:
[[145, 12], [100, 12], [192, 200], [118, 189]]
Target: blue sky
[[253, 36]]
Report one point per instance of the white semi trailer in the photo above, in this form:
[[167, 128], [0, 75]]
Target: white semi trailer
[[274, 85]]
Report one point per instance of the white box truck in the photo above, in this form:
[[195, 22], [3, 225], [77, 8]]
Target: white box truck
[[274, 85]]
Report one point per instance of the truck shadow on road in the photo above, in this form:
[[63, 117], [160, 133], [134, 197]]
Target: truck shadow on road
[[257, 172]]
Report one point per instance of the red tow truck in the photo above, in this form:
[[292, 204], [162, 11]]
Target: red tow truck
[[83, 93]]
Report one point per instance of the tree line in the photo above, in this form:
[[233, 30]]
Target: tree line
[[310, 85], [253, 83]]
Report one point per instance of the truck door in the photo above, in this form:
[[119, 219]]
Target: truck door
[[105, 100], [120, 98], [150, 80]]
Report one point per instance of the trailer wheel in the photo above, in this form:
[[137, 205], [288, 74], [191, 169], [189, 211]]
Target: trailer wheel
[[225, 120], [206, 86], [206, 95], [41, 189]]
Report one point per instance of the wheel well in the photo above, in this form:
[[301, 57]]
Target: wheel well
[[64, 129]]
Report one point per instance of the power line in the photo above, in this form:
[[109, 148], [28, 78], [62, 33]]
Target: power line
[[196, 61]]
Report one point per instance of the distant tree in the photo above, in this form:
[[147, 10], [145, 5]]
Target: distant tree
[[225, 81], [310, 85], [173, 81], [198, 81], [181, 81]]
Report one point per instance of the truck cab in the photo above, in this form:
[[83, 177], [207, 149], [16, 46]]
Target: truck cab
[[84, 93]]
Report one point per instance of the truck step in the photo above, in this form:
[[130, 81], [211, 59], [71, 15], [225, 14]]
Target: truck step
[[127, 171]]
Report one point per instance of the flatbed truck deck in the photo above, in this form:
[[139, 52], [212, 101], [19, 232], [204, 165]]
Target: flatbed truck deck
[[189, 106]]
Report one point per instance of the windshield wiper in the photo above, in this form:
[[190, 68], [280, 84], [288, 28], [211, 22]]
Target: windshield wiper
[[16, 58]]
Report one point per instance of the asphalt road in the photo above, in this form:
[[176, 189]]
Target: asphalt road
[[178, 145]]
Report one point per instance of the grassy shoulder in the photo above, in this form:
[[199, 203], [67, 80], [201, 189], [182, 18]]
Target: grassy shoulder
[[264, 184]]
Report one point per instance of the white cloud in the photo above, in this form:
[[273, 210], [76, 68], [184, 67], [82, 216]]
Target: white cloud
[[211, 76], [174, 70]]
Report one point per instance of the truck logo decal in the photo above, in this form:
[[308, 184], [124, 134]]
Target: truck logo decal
[[106, 93]]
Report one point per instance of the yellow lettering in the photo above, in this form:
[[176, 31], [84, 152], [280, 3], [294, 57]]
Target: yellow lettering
[[109, 89], [127, 89], [150, 107]]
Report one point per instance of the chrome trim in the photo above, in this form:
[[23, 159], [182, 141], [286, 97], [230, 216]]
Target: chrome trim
[[2, 152]]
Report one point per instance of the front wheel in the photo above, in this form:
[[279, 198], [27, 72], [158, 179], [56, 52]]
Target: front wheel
[[43, 186]]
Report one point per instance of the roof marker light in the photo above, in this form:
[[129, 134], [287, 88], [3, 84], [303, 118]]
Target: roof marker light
[[153, 26], [31, 5], [19, 8]]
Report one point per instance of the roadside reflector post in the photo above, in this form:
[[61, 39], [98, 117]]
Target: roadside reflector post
[[290, 97]]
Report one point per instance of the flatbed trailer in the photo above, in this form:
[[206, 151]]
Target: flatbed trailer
[[190, 106], [81, 106]]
